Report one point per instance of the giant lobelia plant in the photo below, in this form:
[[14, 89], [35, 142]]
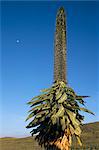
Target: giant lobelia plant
[[55, 113]]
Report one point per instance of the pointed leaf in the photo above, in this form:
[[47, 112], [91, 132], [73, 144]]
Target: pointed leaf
[[79, 140], [78, 131], [81, 101], [72, 130], [78, 97], [38, 107], [36, 122], [46, 90], [30, 116], [63, 98], [60, 112], [73, 119], [54, 119], [86, 110], [63, 123], [36, 102], [58, 95]]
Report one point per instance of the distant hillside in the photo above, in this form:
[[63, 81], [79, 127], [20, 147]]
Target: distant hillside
[[90, 135], [90, 138]]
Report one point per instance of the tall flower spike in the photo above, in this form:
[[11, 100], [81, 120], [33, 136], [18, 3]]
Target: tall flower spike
[[55, 113], [60, 47]]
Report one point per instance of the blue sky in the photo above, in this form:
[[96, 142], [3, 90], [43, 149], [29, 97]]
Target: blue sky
[[27, 65]]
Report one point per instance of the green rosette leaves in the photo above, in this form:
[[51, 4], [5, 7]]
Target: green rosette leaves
[[55, 111]]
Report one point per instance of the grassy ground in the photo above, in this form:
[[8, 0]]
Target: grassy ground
[[90, 138], [18, 144]]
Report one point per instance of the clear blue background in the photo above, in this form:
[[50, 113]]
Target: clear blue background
[[27, 65]]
